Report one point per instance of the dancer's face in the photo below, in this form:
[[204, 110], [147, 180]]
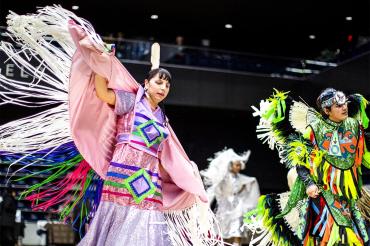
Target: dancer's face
[[157, 88], [337, 113], [236, 166]]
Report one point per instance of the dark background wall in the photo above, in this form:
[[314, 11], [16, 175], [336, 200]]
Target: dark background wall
[[352, 75], [210, 110]]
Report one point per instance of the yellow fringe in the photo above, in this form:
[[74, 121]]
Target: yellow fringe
[[334, 235], [352, 238], [349, 184], [325, 174]]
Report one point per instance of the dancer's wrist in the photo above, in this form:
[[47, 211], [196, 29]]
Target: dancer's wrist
[[313, 191]]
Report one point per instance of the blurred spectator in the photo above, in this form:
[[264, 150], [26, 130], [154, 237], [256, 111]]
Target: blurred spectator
[[362, 40], [8, 208], [179, 40], [176, 54], [119, 44], [205, 42], [19, 227], [110, 38], [179, 55], [120, 37], [328, 55]]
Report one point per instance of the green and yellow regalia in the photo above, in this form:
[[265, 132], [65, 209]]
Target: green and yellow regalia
[[325, 153]]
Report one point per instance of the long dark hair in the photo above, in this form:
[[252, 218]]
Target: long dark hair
[[165, 75]]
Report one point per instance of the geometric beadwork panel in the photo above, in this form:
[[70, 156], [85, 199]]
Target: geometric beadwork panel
[[140, 185], [150, 132]]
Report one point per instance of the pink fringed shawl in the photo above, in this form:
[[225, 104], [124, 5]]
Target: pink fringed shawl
[[93, 122]]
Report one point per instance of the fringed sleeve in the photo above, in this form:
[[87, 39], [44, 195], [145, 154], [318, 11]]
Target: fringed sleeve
[[183, 173], [93, 122]]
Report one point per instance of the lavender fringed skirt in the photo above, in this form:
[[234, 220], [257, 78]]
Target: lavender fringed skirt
[[130, 209]]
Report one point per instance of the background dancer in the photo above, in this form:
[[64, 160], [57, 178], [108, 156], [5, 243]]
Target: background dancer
[[235, 193]]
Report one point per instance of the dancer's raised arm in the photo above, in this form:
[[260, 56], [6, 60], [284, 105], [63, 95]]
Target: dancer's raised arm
[[102, 91]]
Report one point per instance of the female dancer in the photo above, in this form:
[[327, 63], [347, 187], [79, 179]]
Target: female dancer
[[152, 193]]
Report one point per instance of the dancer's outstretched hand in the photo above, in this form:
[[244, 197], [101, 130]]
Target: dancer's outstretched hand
[[312, 191]]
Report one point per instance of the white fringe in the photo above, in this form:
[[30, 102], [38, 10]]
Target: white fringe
[[298, 116], [194, 226], [43, 48], [266, 135], [28, 134], [260, 235], [48, 90], [292, 218], [301, 115], [264, 127]]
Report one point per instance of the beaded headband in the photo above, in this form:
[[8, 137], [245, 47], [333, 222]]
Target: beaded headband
[[338, 97]]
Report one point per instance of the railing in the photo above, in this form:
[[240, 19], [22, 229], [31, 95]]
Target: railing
[[207, 58], [222, 60]]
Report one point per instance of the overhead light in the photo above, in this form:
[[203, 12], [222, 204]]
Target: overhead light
[[75, 7], [312, 36], [154, 17], [348, 18], [301, 71], [321, 63], [228, 26]]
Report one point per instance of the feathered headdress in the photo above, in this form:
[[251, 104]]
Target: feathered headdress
[[219, 166]]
